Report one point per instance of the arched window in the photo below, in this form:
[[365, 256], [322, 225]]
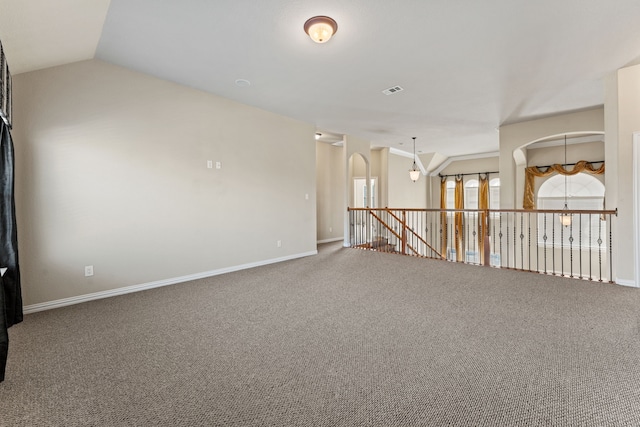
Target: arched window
[[494, 193], [471, 194], [583, 192], [451, 194]]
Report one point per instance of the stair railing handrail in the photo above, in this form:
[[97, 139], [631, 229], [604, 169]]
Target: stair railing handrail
[[407, 228], [388, 227]]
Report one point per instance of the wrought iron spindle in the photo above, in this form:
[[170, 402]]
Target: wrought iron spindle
[[600, 249], [544, 238], [580, 243], [610, 250]]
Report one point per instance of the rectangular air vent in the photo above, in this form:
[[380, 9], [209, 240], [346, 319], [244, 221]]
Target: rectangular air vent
[[392, 90]]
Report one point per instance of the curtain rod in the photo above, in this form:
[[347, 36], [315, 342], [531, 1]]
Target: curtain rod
[[488, 173], [464, 174], [569, 164]]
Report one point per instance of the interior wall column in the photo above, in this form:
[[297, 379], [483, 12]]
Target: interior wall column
[[628, 122]]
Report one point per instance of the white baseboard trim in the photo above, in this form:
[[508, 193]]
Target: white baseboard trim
[[335, 239], [625, 282], [33, 308]]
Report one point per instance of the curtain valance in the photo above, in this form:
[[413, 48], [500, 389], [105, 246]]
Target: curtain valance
[[534, 171]]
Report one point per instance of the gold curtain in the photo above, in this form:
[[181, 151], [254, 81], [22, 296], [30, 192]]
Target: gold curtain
[[459, 204], [483, 204], [533, 171], [443, 215]]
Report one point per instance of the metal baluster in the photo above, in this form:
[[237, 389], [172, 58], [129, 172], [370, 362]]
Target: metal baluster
[[469, 234], [590, 250], [440, 236], [417, 231], [537, 240], [473, 219], [600, 248], [452, 241], [515, 246], [500, 235], [610, 250], [351, 228], [529, 237], [495, 246], [521, 241], [562, 250], [356, 229], [571, 249], [553, 246], [580, 244], [544, 238], [507, 227]]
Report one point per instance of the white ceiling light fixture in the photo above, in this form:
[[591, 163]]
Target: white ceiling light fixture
[[414, 173], [318, 135], [320, 28]]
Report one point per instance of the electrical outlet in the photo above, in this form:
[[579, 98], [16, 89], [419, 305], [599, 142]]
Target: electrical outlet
[[88, 270], [218, 165], [330, 229], [209, 164], [279, 243]]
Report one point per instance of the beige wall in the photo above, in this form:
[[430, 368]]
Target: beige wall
[[111, 172], [487, 164], [329, 182], [628, 109], [590, 151], [518, 135], [404, 193]]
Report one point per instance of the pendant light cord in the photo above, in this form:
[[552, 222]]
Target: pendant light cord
[[565, 172], [414, 153]]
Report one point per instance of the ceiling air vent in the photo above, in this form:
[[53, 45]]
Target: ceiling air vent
[[392, 90]]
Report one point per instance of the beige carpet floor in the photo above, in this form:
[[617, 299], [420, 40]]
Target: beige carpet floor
[[344, 338]]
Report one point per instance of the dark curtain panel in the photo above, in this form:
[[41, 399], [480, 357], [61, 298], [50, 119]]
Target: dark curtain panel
[[10, 294]]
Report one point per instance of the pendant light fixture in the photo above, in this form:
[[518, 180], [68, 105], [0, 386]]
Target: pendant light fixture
[[320, 28], [565, 217], [414, 173]]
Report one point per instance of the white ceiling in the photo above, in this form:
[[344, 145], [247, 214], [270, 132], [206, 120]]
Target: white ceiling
[[466, 67]]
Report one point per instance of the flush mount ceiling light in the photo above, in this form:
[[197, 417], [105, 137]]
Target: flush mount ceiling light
[[414, 173], [320, 28]]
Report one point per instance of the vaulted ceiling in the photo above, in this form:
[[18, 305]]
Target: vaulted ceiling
[[466, 67]]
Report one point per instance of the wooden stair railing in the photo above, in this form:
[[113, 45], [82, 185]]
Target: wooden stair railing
[[403, 237], [409, 229], [385, 225]]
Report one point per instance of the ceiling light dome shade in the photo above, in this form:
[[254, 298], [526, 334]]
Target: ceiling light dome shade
[[320, 28], [414, 175]]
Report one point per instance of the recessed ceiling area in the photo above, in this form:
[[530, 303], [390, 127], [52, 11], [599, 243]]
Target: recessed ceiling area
[[465, 69]]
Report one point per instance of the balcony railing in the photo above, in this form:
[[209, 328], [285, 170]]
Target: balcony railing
[[528, 240]]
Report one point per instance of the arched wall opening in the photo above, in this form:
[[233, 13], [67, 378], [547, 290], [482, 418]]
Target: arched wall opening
[[554, 145]]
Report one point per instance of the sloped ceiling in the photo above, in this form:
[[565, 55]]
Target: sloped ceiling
[[466, 67], [39, 34]]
